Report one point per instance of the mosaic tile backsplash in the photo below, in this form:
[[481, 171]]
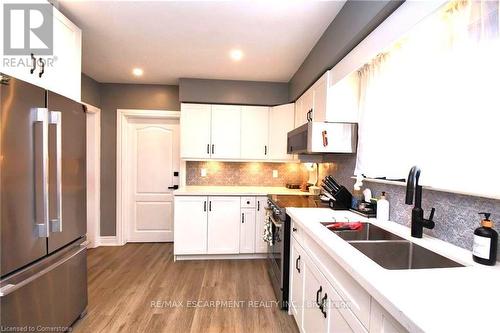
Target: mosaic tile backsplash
[[456, 215], [244, 173]]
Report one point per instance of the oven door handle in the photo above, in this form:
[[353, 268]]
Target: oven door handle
[[276, 223]]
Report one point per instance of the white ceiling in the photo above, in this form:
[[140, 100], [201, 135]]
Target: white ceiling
[[170, 40]]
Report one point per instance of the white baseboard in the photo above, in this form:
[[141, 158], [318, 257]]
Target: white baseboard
[[219, 256], [108, 241]]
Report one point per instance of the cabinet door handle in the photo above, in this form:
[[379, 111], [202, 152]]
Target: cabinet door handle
[[33, 63], [210, 206], [297, 267], [242, 217], [42, 65], [258, 205], [204, 206], [208, 148], [318, 295], [323, 304], [213, 149], [294, 229], [265, 150]]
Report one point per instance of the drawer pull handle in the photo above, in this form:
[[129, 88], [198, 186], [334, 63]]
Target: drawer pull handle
[[323, 304], [318, 295], [297, 267]]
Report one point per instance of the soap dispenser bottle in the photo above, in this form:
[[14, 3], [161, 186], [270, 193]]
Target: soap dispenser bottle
[[484, 250]]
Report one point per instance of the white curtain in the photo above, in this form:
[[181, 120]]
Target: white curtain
[[433, 100]]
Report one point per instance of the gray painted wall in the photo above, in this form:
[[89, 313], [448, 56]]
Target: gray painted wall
[[124, 96], [91, 91], [233, 92], [110, 97], [353, 23]]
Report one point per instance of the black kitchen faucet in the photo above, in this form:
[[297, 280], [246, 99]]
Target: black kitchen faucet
[[413, 190]]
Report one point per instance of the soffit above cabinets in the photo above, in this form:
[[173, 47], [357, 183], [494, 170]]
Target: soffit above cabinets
[[169, 40]]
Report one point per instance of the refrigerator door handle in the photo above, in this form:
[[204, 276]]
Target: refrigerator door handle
[[41, 117], [11, 287], [55, 119]]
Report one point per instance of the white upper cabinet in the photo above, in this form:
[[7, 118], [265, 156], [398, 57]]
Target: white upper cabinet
[[226, 122], [281, 120], [343, 99], [59, 72], [255, 132], [65, 76], [305, 108], [195, 130], [233, 132], [327, 101], [320, 99]]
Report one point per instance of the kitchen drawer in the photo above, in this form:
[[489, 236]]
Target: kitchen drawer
[[247, 202], [350, 291], [297, 232]]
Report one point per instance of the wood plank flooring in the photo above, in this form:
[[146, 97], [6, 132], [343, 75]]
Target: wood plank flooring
[[139, 288]]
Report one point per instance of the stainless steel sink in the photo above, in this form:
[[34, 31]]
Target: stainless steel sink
[[368, 232], [402, 255]]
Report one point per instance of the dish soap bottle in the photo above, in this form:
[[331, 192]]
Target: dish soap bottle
[[382, 208], [484, 250]]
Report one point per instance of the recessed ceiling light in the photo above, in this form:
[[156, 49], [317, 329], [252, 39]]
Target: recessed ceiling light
[[137, 71], [236, 54]]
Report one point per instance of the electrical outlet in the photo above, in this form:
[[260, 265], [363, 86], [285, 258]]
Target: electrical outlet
[[275, 173], [203, 172]]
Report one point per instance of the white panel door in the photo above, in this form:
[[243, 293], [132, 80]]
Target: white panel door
[[247, 230], [153, 151], [254, 132], [195, 133], [281, 121], [260, 220], [223, 225], [226, 121], [190, 225]]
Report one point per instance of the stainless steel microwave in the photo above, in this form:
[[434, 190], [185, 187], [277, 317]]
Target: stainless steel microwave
[[323, 138]]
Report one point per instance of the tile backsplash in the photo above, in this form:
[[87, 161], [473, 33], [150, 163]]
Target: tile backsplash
[[244, 173], [456, 215]]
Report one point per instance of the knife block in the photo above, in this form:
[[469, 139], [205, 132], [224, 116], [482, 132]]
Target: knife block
[[343, 199]]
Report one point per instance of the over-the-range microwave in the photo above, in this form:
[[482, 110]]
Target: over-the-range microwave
[[323, 138]]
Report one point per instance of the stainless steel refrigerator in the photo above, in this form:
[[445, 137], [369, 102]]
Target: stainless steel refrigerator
[[43, 208]]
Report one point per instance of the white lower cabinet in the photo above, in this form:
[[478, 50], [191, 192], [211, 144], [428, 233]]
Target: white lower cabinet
[[296, 303], [223, 225], [219, 225], [315, 295], [247, 230], [190, 230], [260, 221], [382, 322]]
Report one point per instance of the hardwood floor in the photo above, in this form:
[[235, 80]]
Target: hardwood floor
[[139, 288]]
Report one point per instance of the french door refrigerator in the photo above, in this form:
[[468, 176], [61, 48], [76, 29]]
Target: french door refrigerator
[[43, 208]]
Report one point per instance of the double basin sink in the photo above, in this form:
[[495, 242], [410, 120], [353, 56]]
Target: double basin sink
[[391, 251]]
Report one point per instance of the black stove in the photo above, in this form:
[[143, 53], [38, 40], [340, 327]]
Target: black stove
[[279, 248]]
